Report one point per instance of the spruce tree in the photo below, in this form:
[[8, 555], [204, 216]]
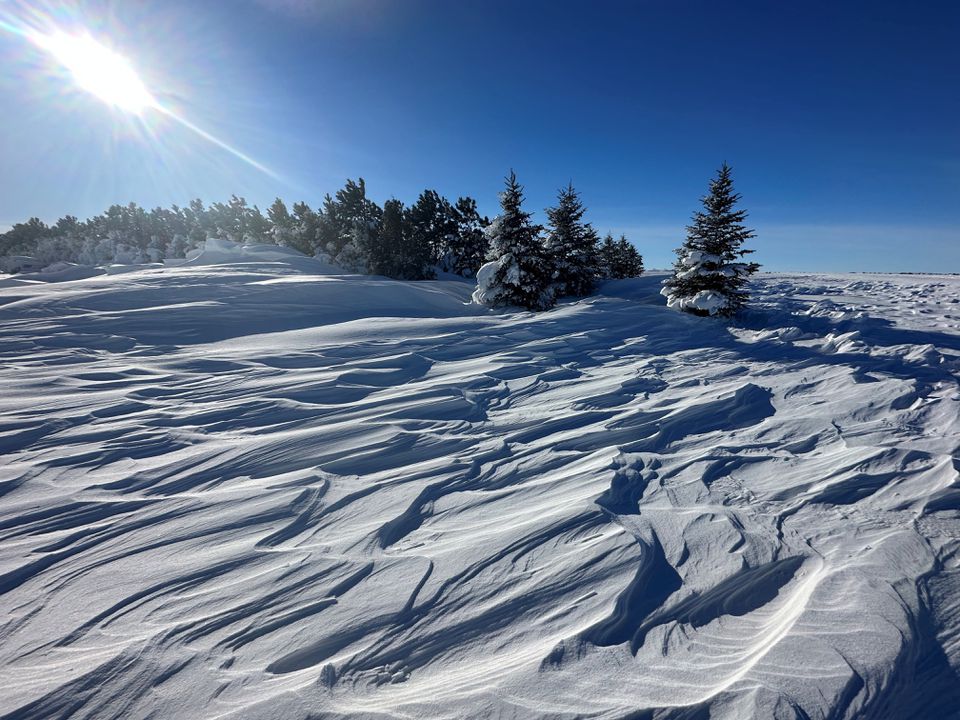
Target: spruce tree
[[607, 257], [708, 278], [519, 271], [572, 245], [629, 259]]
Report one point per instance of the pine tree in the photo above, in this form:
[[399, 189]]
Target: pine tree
[[708, 278], [282, 223], [469, 247], [306, 228], [349, 226], [430, 224], [386, 257], [258, 229], [519, 271], [572, 245]]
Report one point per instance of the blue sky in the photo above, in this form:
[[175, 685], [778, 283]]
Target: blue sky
[[841, 119]]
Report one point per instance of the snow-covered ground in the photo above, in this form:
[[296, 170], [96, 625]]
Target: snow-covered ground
[[256, 489]]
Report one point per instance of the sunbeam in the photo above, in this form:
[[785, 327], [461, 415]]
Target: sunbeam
[[111, 78], [97, 69]]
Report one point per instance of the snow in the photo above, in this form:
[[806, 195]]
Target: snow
[[53, 273], [488, 291], [707, 300], [19, 263], [249, 487]]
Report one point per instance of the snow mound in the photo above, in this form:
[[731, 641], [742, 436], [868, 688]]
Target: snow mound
[[250, 489], [487, 290], [217, 251], [55, 273], [19, 263]]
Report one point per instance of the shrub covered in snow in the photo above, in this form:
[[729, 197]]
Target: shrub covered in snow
[[708, 277]]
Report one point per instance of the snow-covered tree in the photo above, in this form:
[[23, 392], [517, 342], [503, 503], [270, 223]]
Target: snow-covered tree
[[306, 228], [708, 277], [349, 225], [519, 271], [572, 245], [281, 222]]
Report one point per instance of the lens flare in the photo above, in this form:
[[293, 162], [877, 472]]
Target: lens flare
[[97, 69], [106, 74]]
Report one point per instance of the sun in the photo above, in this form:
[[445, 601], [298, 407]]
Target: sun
[[98, 70]]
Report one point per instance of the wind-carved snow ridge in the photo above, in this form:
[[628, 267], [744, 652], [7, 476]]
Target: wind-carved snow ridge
[[246, 487]]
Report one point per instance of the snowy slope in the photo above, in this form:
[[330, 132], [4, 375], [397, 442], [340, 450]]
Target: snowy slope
[[256, 489]]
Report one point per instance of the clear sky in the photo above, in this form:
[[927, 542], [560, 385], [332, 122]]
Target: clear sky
[[840, 118]]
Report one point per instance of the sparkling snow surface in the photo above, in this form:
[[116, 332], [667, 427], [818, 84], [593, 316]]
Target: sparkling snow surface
[[249, 490]]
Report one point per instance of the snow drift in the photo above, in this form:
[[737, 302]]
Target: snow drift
[[255, 489]]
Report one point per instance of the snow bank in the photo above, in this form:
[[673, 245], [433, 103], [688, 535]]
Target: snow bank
[[57, 272]]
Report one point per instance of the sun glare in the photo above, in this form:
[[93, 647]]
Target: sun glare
[[98, 70]]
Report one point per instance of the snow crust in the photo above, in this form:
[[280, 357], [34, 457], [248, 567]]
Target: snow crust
[[245, 487]]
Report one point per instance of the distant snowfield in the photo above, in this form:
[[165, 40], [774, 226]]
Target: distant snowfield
[[256, 489]]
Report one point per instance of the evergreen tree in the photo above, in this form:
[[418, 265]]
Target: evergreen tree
[[282, 223], [199, 221], [629, 261], [432, 225], [386, 256], [349, 226], [607, 254], [519, 271], [619, 259], [257, 228], [572, 245], [306, 228], [470, 246], [708, 278]]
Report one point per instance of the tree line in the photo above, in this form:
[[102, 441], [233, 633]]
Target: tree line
[[516, 261], [348, 229]]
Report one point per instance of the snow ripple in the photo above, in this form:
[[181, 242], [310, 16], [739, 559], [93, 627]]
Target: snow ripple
[[243, 491]]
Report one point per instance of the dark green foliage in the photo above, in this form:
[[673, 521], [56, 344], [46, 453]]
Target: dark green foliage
[[525, 274], [619, 259], [306, 228], [350, 230], [432, 225], [571, 245], [469, 247], [386, 257], [708, 262], [23, 236], [349, 225]]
